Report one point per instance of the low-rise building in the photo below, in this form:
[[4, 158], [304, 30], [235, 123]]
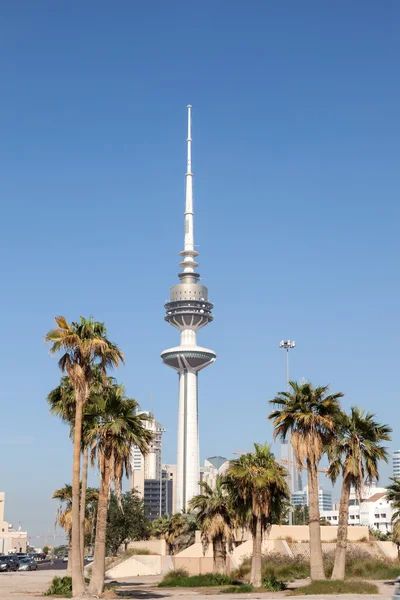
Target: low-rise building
[[374, 512]]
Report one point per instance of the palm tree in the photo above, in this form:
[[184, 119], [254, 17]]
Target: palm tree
[[393, 496], [215, 520], [311, 416], [62, 404], [64, 511], [258, 483], [113, 426], [83, 344], [354, 453]]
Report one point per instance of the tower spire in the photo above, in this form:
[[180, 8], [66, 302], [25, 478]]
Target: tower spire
[[189, 264]]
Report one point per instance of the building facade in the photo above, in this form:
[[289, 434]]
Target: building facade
[[374, 512], [213, 466], [157, 504], [300, 498], [10, 540], [149, 466], [188, 310], [396, 464]]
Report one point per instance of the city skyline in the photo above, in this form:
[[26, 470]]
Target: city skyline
[[296, 161]]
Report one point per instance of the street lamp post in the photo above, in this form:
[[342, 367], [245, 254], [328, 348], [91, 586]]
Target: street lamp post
[[289, 345]]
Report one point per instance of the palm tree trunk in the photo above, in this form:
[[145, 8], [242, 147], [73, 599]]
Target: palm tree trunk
[[69, 564], [219, 555], [316, 560], [83, 503], [256, 579], [96, 585], [78, 582], [340, 554]]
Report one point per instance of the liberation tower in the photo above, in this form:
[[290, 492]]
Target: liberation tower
[[188, 310]]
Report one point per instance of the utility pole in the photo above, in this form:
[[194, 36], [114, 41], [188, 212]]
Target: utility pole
[[289, 345]]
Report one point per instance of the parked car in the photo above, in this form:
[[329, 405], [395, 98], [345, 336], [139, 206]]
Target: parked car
[[27, 564], [65, 558], [8, 564]]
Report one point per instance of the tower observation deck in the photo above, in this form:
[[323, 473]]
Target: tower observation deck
[[188, 310]]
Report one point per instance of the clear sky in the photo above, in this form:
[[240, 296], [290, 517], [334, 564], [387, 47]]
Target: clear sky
[[296, 159]]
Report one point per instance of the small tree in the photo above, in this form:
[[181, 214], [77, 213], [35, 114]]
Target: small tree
[[215, 520], [46, 550], [126, 522]]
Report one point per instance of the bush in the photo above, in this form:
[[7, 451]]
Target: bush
[[276, 565], [238, 589], [364, 565], [136, 552], [272, 584], [176, 573], [206, 580], [335, 587], [60, 586]]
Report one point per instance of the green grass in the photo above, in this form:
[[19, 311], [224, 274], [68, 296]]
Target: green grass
[[238, 589], [206, 580], [335, 587]]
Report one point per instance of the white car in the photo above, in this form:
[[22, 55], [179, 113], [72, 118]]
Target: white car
[[65, 559]]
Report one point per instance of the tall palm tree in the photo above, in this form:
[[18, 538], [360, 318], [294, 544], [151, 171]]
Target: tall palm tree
[[354, 453], [61, 401], [83, 345], [113, 426], [311, 416], [258, 482], [215, 520], [393, 496]]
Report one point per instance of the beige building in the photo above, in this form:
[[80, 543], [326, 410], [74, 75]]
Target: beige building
[[10, 540]]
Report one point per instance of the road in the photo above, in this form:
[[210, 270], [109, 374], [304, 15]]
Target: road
[[56, 565]]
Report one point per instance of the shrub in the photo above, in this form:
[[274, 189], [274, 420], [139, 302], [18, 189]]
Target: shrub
[[272, 584], [206, 580], [335, 587], [176, 573], [277, 565], [136, 552], [60, 586], [238, 589]]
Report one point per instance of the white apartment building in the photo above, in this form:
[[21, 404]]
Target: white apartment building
[[147, 467], [374, 512], [300, 498], [396, 464]]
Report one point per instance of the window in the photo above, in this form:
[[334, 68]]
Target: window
[[352, 517], [383, 516]]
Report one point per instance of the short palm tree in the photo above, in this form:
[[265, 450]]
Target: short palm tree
[[311, 416], [83, 345], [112, 426], [215, 520], [64, 511], [354, 453], [393, 496], [259, 489]]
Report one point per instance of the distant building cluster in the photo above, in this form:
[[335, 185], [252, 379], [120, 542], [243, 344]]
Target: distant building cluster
[[300, 498]]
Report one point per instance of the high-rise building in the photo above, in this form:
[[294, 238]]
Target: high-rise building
[[213, 466], [157, 504], [169, 473], [396, 464], [188, 310], [149, 466], [300, 498]]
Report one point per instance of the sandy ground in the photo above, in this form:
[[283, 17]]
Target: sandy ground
[[24, 586]]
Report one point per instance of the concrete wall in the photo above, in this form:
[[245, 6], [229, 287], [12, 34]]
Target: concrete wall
[[389, 549], [197, 566], [301, 533]]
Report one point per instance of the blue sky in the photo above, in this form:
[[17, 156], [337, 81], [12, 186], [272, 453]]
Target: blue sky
[[295, 153]]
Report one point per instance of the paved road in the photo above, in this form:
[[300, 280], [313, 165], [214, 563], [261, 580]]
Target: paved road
[[55, 565]]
